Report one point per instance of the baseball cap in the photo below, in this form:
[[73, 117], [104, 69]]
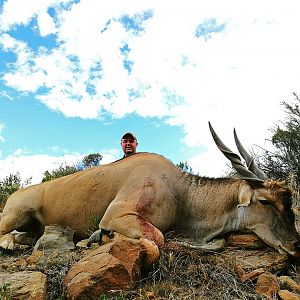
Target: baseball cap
[[132, 134]]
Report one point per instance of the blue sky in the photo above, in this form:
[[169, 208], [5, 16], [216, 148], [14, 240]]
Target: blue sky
[[36, 129], [76, 75]]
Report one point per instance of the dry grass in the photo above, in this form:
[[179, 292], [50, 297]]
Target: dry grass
[[187, 274]]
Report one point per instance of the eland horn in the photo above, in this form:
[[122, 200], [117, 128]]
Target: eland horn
[[251, 165], [235, 160]]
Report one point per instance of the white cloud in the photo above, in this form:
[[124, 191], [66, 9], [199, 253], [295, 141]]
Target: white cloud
[[19, 151], [28, 167], [45, 23], [109, 155], [6, 95], [234, 78]]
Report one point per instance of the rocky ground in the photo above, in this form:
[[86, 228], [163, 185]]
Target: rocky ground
[[54, 269]]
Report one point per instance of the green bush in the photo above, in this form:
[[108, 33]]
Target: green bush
[[90, 160], [9, 185]]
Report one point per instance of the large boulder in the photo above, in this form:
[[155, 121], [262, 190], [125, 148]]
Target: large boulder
[[55, 237], [106, 270]]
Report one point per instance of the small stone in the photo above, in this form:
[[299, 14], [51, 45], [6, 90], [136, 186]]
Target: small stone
[[287, 295], [248, 276], [245, 241], [267, 285], [287, 281], [34, 258]]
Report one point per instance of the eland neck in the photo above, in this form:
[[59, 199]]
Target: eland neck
[[210, 207]]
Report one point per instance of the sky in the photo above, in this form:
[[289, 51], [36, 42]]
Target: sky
[[76, 75]]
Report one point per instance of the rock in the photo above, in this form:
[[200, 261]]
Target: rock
[[111, 267], [287, 295], [248, 276], [12, 265], [38, 258], [34, 258], [286, 281], [23, 285], [249, 264], [267, 285], [270, 261], [100, 275], [245, 241], [21, 263], [55, 238]]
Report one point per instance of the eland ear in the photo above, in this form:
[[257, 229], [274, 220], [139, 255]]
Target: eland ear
[[245, 194]]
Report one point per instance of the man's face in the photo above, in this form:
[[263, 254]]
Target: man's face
[[129, 145]]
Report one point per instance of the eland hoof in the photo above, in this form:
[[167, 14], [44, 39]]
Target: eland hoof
[[7, 242]]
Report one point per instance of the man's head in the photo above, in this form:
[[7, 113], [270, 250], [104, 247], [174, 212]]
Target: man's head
[[129, 143]]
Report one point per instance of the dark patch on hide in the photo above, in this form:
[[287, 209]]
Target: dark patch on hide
[[149, 231], [146, 197]]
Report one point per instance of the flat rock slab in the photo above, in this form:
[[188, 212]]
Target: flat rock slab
[[251, 260], [23, 285], [245, 240]]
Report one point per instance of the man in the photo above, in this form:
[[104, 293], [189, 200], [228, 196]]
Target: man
[[129, 143]]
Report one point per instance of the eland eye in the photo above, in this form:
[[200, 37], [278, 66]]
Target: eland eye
[[264, 202]]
